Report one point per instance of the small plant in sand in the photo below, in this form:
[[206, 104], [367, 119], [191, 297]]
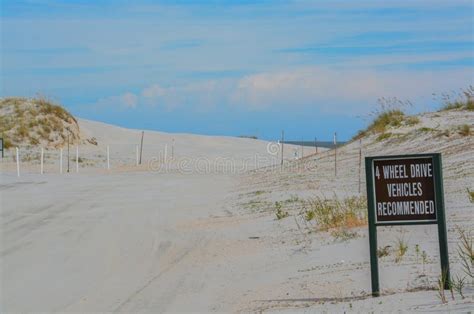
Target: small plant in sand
[[424, 260], [471, 195], [458, 284], [466, 252], [401, 248], [441, 283], [382, 252], [464, 130], [417, 251], [344, 234], [309, 215], [280, 214]]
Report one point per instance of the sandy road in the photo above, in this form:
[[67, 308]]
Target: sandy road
[[149, 243], [115, 242]]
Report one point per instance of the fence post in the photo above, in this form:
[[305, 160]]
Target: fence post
[[335, 154], [166, 153], [77, 158], [61, 160], [141, 147], [302, 149], [282, 139], [17, 161], [136, 150], [360, 160], [172, 149], [108, 158], [42, 160]]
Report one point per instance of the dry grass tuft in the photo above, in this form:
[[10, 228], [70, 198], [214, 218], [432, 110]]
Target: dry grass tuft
[[464, 130], [390, 114], [333, 213], [462, 100], [401, 247]]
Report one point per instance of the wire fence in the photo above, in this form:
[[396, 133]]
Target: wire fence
[[161, 157], [77, 157]]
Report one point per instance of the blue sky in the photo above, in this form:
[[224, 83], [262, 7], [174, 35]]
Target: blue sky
[[236, 67]]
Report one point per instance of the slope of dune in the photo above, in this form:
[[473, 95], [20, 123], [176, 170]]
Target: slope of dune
[[334, 274]]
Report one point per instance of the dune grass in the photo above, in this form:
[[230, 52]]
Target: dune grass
[[390, 114], [463, 100], [34, 120], [464, 130], [401, 247], [334, 213]]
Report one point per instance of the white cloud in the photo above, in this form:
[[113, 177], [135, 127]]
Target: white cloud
[[129, 100], [126, 100], [153, 91], [349, 90], [324, 87]]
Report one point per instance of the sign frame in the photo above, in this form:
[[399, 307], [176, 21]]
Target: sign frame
[[439, 207]]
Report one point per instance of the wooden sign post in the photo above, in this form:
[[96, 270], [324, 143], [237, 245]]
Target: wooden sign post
[[405, 190]]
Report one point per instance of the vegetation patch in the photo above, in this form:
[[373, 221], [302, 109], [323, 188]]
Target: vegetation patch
[[463, 100], [257, 205], [383, 136], [279, 212], [464, 130], [333, 213], [471, 195], [344, 234], [389, 115], [383, 252], [35, 121], [401, 247]]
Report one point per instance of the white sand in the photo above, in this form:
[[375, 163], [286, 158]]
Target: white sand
[[135, 240]]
